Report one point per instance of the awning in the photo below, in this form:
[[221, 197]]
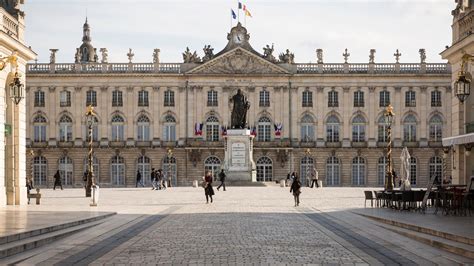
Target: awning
[[458, 140]]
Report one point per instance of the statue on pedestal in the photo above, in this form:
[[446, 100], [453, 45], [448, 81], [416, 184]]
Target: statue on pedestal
[[239, 112]]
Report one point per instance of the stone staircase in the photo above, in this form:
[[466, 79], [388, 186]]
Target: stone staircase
[[457, 244], [20, 242]]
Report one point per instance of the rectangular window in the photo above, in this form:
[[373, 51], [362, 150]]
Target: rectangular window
[[307, 133], [91, 98], [264, 98], [169, 98], [142, 98], [212, 98], [169, 132], [384, 100], [40, 133], [39, 99], [435, 99], [65, 99], [359, 99], [410, 99], [333, 100], [117, 100], [307, 99]]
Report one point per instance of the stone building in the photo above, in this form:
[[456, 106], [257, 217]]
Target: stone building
[[461, 140], [13, 56], [174, 115]]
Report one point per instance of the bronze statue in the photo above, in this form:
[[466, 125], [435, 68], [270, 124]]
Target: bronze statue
[[239, 112]]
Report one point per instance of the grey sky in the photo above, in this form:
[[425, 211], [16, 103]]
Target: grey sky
[[299, 25]]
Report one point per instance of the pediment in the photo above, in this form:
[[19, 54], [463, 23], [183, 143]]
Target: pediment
[[238, 61]]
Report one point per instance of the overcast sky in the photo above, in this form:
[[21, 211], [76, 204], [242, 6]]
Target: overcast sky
[[299, 25]]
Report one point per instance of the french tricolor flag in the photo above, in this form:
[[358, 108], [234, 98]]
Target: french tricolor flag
[[198, 129]]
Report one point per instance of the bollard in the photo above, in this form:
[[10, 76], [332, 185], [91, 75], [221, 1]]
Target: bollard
[[95, 196], [282, 183], [38, 196], [195, 183], [320, 183]]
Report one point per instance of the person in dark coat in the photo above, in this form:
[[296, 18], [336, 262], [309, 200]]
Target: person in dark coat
[[139, 179], [57, 180], [208, 191], [222, 179], [153, 179], [296, 189]]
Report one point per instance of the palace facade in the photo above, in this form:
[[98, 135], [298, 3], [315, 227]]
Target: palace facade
[[174, 115], [459, 143], [13, 57]]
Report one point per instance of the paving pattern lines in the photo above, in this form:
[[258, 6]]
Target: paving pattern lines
[[202, 235]]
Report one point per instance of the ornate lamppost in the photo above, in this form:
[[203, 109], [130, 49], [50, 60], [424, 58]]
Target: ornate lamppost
[[462, 86], [388, 116], [92, 189], [169, 155]]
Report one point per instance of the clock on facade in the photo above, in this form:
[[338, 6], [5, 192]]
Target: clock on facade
[[238, 38]]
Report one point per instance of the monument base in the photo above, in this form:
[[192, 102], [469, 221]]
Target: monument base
[[239, 164]]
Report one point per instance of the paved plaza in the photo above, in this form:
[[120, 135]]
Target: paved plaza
[[244, 225]]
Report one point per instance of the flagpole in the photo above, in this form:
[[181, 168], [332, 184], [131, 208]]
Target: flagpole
[[245, 20], [238, 11], [231, 18]]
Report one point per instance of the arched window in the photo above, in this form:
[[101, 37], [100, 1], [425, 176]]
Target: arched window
[[39, 126], [40, 167], [144, 166], [332, 129], [333, 171], [358, 171], [382, 130], [306, 166], [264, 169], [169, 170], [95, 165], [95, 131], [413, 170], [118, 128], [65, 128], [169, 128], [66, 170], [358, 129], [143, 128], [264, 129], [212, 129], [409, 128], [381, 171], [436, 168], [436, 128], [118, 170], [212, 164], [307, 129]]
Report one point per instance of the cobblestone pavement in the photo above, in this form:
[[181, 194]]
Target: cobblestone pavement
[[244, 225]]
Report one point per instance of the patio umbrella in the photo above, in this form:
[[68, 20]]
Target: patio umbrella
[[405, 171]]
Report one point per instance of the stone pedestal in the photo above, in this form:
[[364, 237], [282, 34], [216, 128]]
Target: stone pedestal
[[239, 163]]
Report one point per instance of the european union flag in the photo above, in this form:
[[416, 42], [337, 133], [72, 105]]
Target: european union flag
[[234, 16]]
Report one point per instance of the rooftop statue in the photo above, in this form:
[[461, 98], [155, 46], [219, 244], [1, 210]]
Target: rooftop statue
[[208, 53], [156, 56], [287, 57], [268, 53], [105, 55], [189, 57], [319, 55], [239, 111]]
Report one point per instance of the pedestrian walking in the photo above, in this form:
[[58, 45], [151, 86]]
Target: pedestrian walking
[[296, 189], [162, 178], [139, 179], [314, 177], [84, 178], [29, 187], [222, 179], [153, 179], [207, 185], [57, 180]]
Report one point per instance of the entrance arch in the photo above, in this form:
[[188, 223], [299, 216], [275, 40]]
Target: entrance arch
[[264, 169]]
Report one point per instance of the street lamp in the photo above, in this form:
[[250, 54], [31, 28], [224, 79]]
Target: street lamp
[[91, 185], [169, 154], [17, 89], [462, 86], [388, 117]]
